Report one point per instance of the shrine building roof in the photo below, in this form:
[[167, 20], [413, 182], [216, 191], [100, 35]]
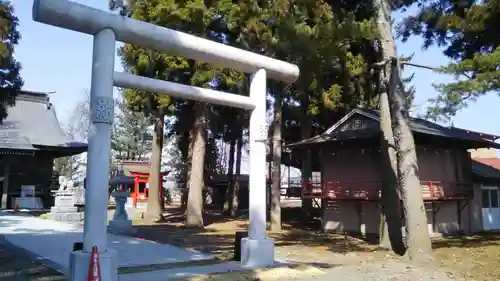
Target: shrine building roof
[[32, 126], [365, 123]]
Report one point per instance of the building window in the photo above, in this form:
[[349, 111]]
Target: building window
[[486, 198], [357, 124], [494, 198], [490, 198]]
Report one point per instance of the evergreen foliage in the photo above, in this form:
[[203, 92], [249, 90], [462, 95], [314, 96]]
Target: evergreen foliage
[[332, 42], [468, 33], [10, 78]]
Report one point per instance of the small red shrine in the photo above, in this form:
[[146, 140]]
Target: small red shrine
[[140, 172]]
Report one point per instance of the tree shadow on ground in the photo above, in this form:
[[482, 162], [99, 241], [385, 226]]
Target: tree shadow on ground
[[477, 240], [210, 216], [218, 235], [16, 266]]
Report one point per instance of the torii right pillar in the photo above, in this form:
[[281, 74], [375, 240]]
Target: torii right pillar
[[257, 250]]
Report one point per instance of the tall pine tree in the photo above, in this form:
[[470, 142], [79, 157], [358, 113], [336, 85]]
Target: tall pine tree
[[393, 111], [331, 41], [200, 18], [10, 78]]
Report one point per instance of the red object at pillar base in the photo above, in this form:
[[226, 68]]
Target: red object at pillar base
[[94, 266]]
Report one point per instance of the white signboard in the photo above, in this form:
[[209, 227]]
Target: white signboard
[[27, 191]]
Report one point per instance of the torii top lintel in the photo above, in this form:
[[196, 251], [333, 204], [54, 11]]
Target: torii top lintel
[[81, 18]]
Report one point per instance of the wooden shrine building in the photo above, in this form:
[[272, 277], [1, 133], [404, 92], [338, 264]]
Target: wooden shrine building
[[30, 139], [139, 172], [347, 193]]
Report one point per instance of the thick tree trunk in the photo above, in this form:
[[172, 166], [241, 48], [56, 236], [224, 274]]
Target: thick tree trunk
[[187, 168], [417, 240], [153, 210], [390, 223], [236, 184], [306, 167], [194, 210], [389, 168], [269, 180], [226, 204], [276, 170], [390, 209]]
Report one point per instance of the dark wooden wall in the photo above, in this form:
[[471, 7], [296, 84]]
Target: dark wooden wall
[[30, 170]]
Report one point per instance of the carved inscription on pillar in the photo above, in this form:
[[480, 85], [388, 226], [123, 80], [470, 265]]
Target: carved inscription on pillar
[[102, 110]]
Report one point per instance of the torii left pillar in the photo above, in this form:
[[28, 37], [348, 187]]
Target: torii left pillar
[[99, 152]]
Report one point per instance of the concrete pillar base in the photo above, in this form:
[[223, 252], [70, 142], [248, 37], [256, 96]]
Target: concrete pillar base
[[79, 262], [257, 253], [121, 227]]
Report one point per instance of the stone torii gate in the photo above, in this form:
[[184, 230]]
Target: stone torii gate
[[107, 28]]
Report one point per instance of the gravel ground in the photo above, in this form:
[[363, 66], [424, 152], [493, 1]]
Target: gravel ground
[[387, 271]]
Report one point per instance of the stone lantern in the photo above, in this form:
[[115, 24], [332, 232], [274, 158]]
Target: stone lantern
[[120, 223]]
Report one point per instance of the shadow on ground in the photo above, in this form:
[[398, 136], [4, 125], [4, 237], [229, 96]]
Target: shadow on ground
[[478, 240], [217, 236], [16, 267]]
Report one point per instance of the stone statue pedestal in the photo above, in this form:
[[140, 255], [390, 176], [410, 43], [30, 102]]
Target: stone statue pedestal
[[79, 196], [120, 223], [64, 208]]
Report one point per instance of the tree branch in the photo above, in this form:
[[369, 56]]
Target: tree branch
[[420, 65], [428, 67], [383, 63]]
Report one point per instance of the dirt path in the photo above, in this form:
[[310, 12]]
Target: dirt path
[[381, 271], [456, 258]]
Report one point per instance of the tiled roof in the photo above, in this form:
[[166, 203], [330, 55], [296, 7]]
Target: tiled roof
[[417, 125], [493, 162], [483, 170], [430, 128], [32, 124], [136, 166]]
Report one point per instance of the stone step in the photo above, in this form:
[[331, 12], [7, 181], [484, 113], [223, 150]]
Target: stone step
[[74, 217]]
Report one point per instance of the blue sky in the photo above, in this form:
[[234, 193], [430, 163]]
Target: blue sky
[[59, 60]]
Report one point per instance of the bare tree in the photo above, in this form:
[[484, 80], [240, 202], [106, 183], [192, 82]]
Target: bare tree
[[129, 139], [171, 159], [77, 128]]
